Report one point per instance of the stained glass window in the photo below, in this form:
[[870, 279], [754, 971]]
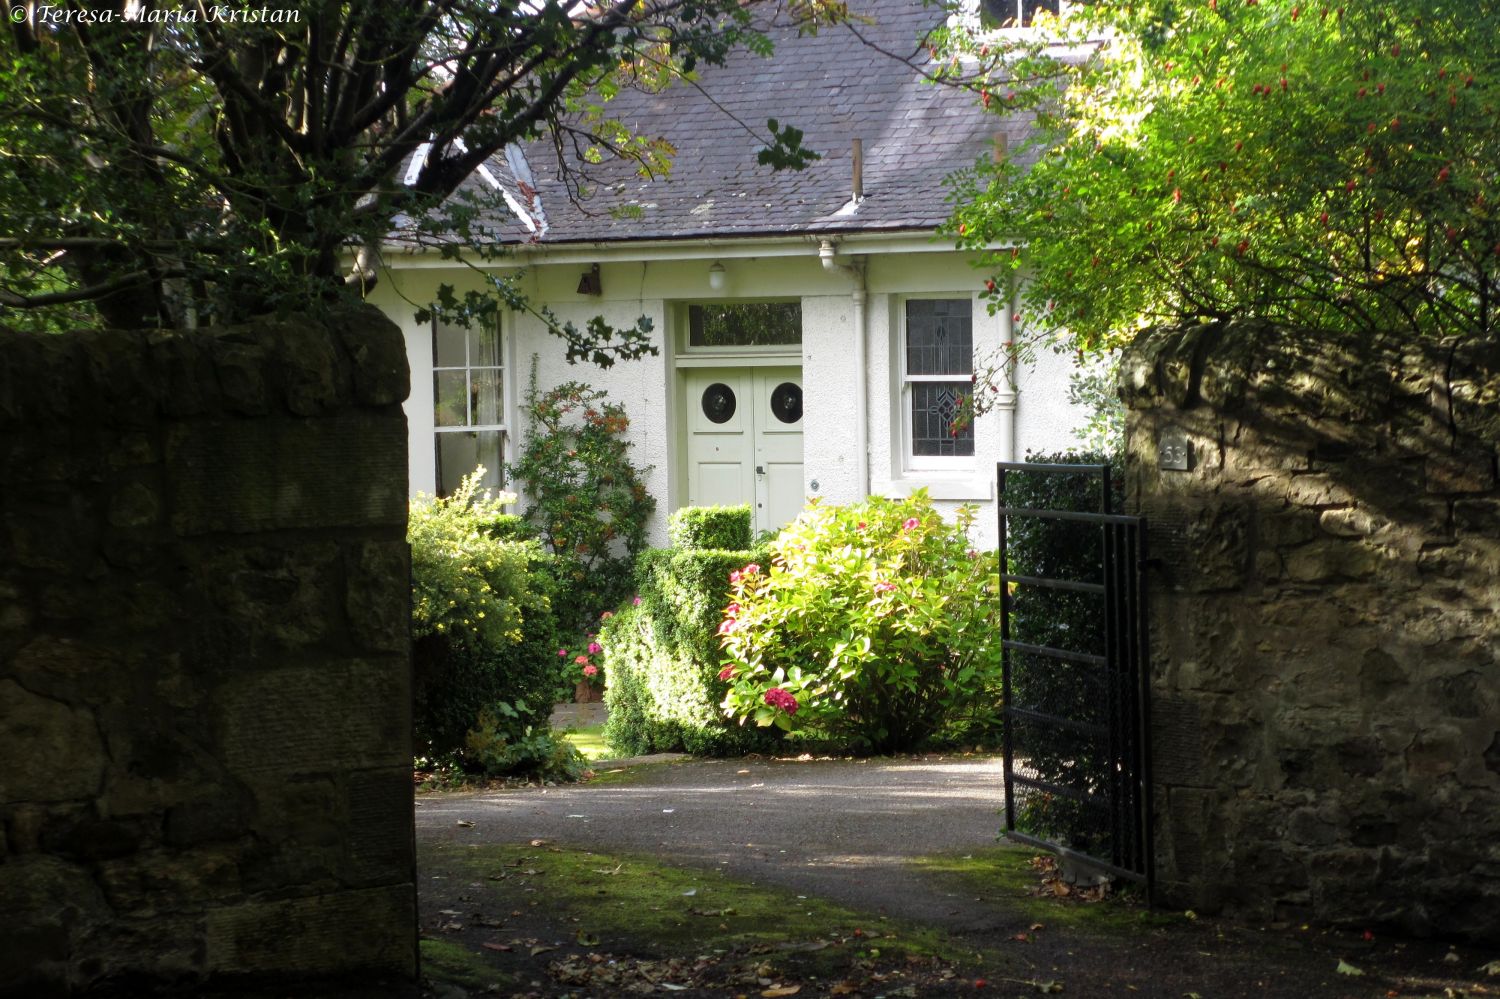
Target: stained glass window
[[939, 363]]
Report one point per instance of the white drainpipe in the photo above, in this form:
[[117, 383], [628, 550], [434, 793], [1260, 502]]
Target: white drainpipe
[[1005, 403], [855, 268]]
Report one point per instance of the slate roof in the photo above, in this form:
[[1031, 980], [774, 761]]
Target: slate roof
[[831, 85]]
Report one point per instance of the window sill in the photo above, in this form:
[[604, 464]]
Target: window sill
[[944, 487]]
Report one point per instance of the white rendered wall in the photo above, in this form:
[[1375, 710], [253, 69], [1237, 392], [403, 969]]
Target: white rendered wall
[[649, 388]]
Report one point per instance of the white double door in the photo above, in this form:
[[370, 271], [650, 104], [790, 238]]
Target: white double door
[[745, 441]]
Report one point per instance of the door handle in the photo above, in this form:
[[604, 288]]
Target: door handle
[[760, 470]]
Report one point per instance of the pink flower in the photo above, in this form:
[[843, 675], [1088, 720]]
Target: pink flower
[[778, 698], [606, 615], [911, 524], [861, 526], [635, 601], [562, 653], [751, 569], [581, 660], [590, 670], [731, 610], [734, 577], [726, 626], [727, 673], [595, 648], [884, 587]]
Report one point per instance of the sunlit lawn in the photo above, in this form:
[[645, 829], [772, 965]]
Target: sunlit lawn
[[590, 742]]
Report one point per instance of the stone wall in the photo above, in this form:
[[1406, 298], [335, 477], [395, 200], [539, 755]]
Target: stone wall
[[204, 658], [1324, 624]]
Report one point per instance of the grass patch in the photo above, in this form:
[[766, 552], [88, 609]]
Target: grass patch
[[633, 902], [1007, 874], [448, 963], [590, 742]]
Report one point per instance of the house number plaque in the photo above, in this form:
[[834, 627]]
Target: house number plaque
[[1174, 452]]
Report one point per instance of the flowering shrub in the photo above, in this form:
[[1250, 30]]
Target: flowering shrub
[[875, 624], [586, 499], [586, 656], [663, 658]]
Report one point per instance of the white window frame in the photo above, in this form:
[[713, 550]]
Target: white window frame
[[912, 462], [506, 400]]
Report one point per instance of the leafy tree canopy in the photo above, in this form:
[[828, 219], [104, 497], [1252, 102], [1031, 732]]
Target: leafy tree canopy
[[182, 164], [1329, 166]]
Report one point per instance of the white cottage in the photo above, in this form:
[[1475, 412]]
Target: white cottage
[[814, 333]]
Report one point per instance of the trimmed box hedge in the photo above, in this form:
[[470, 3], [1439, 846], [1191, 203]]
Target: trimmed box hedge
[[663, 659], [720, 528]]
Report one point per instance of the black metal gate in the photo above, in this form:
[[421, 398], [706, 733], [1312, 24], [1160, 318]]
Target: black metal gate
[[1076, 680]]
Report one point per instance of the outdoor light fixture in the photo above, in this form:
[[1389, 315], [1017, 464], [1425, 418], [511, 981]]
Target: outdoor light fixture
[[589, 283], [716, 276]]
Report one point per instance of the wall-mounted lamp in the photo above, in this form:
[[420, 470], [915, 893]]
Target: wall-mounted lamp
[[589, 283], [716, 276]]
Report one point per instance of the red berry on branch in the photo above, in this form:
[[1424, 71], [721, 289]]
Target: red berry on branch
[[1244, 245]]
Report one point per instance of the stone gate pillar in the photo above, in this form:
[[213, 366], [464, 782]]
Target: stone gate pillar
[[1325, 622], [205, 679]]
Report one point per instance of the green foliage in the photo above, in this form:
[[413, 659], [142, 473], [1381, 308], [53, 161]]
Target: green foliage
[[1329, 167], [875, 624], [506, 739], [182, 172], [723, 527], [482, 624], [587, 501], [1061, 619], [1093, 388], [785, 150], [664, 689]]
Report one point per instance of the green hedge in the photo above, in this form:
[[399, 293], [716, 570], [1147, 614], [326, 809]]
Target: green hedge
[[721, 528], [663, 659]]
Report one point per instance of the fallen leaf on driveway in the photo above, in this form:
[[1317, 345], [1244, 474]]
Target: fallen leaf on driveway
[[487, 945], [465, 823], [539, 842], [783, 990], [541, 949], [1492, 969], [1345, 968]]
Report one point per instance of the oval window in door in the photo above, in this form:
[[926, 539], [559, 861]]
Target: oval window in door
[[786, 402], [718, 403]]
